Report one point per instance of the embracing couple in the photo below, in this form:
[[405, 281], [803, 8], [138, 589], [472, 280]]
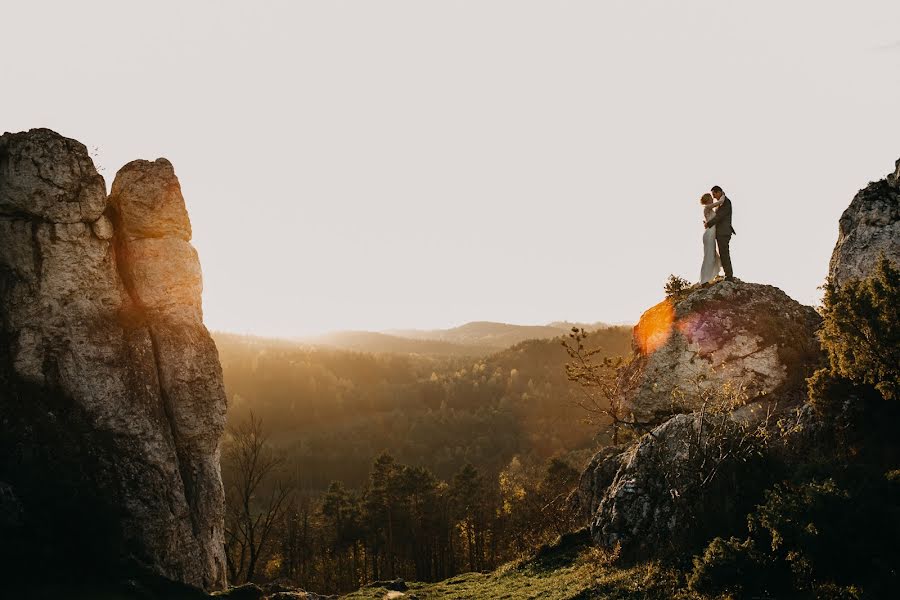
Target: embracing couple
[[717, 220]]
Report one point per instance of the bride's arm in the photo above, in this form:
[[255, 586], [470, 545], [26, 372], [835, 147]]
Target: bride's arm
[[716, 204]]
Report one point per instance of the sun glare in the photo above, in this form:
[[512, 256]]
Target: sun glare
[[655, 327]]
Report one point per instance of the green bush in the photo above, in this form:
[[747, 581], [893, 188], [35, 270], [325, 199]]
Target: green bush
[[861, 329], [675, 285], [818, 539], [734, 567]]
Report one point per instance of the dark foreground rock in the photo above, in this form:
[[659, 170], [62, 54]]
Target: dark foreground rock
[[111, 394]]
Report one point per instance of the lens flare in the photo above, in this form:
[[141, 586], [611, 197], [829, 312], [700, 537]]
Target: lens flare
[[655, 327]]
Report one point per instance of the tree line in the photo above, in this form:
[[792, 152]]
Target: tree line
[[343, 468], [404, 522]]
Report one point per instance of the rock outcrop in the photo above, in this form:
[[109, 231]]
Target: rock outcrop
[[693, 475], [748, 335], [709, 365], [869, 227], [111, 395]]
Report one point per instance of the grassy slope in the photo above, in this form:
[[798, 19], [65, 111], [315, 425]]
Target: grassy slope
[[571, 570]]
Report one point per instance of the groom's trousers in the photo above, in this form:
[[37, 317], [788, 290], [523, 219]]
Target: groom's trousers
[[725, 253]]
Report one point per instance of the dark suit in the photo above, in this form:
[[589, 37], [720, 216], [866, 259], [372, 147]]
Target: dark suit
[[724, 230]]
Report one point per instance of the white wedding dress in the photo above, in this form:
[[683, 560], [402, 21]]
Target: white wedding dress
[[711, 262]]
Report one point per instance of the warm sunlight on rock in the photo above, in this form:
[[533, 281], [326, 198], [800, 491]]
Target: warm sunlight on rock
[[655, 327]]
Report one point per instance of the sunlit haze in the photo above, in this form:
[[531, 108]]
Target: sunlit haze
[[376, 165]]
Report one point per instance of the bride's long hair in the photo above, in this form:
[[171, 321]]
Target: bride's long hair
[[706, 199]]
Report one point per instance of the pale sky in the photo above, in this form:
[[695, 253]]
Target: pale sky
[[374, 165]]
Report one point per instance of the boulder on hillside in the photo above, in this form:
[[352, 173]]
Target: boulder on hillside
[[752, 337], [710, 365], [694, 476], [697, 474], [869, 227], [111, 395]]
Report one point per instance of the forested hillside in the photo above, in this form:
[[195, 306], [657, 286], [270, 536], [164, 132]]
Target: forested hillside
[[344, 467], [333, 411]]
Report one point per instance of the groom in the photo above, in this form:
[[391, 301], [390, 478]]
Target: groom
[[724, 230]]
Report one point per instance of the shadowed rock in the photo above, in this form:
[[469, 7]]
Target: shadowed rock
[[49, 177], [111, 391]]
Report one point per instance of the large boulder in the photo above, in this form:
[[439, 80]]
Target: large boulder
[[750, 337], [869, 227], [694, 476], [111, 394], [710, 364]]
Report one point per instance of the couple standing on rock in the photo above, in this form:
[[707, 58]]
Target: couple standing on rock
[[717, 220]]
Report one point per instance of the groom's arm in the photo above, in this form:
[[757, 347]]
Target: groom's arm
[[723, 210]]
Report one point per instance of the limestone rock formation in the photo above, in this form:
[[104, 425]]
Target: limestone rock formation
[[870, 226], [672, 487], [749, 335], [111, 395], [595, 480]]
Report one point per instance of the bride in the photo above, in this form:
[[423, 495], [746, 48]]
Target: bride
[[711, 263]]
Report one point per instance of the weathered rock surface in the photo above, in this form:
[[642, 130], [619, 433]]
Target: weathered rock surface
[[672, 487], [743, 334], [54, 179], [111, 394], [869, 227], [595, 480]]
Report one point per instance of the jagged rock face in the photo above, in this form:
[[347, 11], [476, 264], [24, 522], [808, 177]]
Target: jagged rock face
[[111, 394], [870, 226], [49, 177], [669, 494], [740, 334]]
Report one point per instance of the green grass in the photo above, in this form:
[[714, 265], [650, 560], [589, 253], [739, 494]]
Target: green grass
[[568, 571]]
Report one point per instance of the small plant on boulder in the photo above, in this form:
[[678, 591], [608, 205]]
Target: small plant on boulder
[[675, 285]]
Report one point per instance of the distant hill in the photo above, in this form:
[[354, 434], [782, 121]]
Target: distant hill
[[335, 409], [478, 338], [493, 335], [371, 341]]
